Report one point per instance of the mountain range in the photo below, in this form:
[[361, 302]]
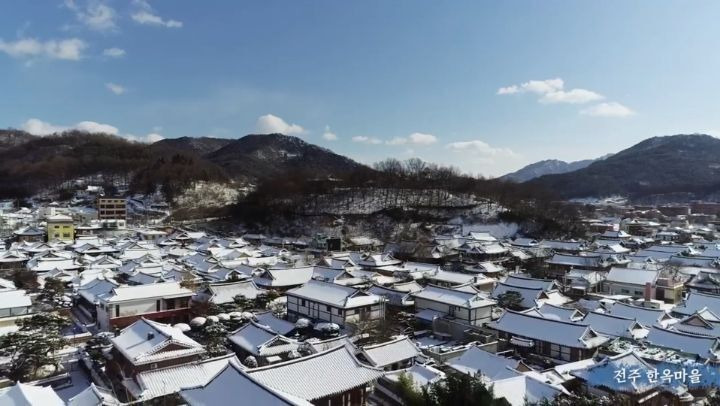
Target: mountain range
[[545, 167], [664, 166], [30, 163], [687, 164]]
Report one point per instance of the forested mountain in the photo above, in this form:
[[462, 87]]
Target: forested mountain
[[660, 165], [264, 156], [29, 164]]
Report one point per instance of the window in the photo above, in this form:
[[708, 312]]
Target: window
[[339, 311], [328, 308], [302, 302], [117, 310], [157, 305]]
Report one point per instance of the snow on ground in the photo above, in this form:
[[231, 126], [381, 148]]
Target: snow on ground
[[208, 194]]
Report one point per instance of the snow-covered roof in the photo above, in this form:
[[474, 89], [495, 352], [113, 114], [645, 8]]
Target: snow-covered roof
[[525, 389], [476, 361], [422, 375], [450, 277], [145, 341], [22, 394], [159, 290], [334, 295], [615, 326], [597, 373], [453, 297], [632, 276], [225, 292], [14, 298], [573, 335], [391, 352], [318, 375], [645, 315], [94, 396], [285, 277], [704, 347], [234, 383], [528, 282], [259, 340], [551, 311], [161, 382], [528, 295], [697, 301], [278, 325], [580, 261]]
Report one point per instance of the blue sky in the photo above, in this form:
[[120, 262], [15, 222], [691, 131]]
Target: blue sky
[[485, 86]]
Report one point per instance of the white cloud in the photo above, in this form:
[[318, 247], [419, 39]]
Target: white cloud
[[96, 15], [114, 52], [115, 88], [414, 138], [38, 127], [67, 49], [574, 96], [35, 126], [366, 140], [270, 124], [481, 149], [611, 109], [552, 91], [145, 15], [329, 135]]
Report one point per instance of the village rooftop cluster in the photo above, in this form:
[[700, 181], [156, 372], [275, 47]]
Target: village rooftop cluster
[[180, 314]]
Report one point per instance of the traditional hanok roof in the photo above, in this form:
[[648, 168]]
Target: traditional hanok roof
[[696, 301], [394, 297], [703, 322], [283, 278], [580, 261], [615, 326], [644, 315], [260, 340], [29, 231], [278, 325], [334, 295], [147, 341], [573, 335], [93, 290], [160, 382], [596, 374], [232, 382], [94, 396], [629, 276], [704, 347], [533, 283], [23, 394], [391, 352], [489, 366], [551, 311], [317, 376], [422, 375], [454, 278], [453, 297], [529, 295], [129, 293], [525, 389], [225, 292]]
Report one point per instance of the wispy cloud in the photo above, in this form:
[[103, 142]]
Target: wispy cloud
[[480, 150], [70, 49], [145, 15], [329, 135], [366, 140], [115, 88], [414, 139], [114, 52], [94, 14], [39, 127], [611, 109]]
